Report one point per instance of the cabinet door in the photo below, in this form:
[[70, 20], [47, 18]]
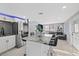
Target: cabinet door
[[11, 41], [33, 49], [3, 44], [44, 49], [76, 41], [36, 49]]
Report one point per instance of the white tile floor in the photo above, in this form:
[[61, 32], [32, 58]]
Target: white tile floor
[[64, 49], [62, 45]]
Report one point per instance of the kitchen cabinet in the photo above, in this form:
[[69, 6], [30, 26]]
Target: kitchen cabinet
[[76, 40], [11, 42], [3, 44], [7, 42], [75, 33]]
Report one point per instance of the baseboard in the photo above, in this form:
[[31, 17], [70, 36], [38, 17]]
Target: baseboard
[[6, 51]]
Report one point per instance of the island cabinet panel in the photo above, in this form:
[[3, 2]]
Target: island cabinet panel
[[6, 43]]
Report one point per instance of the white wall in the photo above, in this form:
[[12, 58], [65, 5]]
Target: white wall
[[53, 27], [68, 26], [67, 31]]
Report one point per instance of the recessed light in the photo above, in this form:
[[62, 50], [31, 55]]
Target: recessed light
[[64, 7], [40, 13]]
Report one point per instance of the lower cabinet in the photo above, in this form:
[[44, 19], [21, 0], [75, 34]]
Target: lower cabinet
[[36, 49], [7, 42], [3, 44], [76, 41], [11, 42]]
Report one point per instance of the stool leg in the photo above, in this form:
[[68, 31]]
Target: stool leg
[[25, 48], [50, 51], [24, 54]]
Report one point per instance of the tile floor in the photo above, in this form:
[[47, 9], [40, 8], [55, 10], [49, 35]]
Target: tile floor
[[62, 45], [64, 49], [15, 52]]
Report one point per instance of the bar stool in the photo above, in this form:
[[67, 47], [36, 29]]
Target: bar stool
[[52, 43]]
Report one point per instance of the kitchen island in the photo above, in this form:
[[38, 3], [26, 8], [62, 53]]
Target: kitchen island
[[36, 47]]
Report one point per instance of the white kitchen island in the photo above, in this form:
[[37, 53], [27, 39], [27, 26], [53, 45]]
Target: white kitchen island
[[35, 47]]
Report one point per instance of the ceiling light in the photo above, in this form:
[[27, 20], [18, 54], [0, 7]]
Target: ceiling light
[[40, 13], [64, 7]]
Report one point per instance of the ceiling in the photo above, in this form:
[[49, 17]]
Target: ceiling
[[41, 12]]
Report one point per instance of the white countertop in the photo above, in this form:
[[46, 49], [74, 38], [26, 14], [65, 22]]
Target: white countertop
[[45, 39]]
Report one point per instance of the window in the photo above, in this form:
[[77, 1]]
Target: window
[[46, 27], [76, 27]]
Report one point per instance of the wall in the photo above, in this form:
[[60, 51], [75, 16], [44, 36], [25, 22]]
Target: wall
[[66, 30], [53, 27], [68, 26]]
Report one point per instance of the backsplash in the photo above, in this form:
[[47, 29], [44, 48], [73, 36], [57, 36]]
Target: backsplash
[[7, 27]]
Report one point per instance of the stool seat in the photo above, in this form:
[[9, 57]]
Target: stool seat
[[23, 40]]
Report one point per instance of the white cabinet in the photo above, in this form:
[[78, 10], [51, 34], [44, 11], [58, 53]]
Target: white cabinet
[[44, 50], [3, 44], [33, 49], [75, 41], [36, 49], [7, 42], [0, 45], [11, 42]]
